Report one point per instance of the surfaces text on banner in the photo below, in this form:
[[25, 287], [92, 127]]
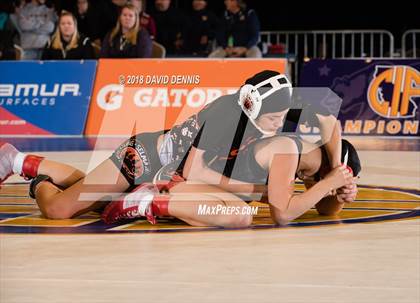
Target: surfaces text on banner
[[45, 98]]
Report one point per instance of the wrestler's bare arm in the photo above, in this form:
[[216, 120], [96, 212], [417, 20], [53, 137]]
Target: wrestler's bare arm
[[284, 205], [333, 203], [331, 139], [196, 169]]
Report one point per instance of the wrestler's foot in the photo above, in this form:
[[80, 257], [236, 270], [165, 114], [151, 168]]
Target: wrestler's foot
[[7, 156], [14, 162], [136, 204]]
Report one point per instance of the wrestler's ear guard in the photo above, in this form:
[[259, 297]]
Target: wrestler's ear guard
[[250, 97], [250, 101]]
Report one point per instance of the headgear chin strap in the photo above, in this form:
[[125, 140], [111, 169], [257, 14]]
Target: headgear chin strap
[[250, 99]]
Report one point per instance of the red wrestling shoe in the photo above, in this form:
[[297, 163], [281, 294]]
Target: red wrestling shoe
[[7, 156], [14, 162], [136, 204]]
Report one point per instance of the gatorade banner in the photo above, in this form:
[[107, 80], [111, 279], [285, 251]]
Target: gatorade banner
[[134, 96], [380, 97], [45, 98]]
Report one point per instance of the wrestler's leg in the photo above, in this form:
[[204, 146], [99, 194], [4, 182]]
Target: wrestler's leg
[[130, 163], [51, 199], [228, 212], [187, 201], [61, 174], [97, 188], [28, 165]]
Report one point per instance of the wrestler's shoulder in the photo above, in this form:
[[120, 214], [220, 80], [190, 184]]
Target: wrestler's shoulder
[[278, 144]]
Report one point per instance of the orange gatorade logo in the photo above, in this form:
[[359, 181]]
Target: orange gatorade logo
[[394, 91], [134, 96]]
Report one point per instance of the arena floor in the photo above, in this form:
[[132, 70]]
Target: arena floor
[[369, 253]]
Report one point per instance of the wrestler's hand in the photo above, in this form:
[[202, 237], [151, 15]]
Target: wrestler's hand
[[347, 193], [339, 177]]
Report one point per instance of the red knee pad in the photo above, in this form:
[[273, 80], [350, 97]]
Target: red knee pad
[[30, 166]]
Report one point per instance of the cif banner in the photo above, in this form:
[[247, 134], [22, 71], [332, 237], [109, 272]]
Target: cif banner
[[380, 97], [45, 98], [133, 96]]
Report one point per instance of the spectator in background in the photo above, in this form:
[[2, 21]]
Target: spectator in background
[[202, 29], [239, 32], [67, 5], [36, 23], [8, 33], [171, 25], [88, 21], [127, 39], [66, 42], [113, 11], [146, 21]]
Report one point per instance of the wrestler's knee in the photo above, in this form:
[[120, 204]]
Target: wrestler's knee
[[235, 221], [55, 211], [244, 220]]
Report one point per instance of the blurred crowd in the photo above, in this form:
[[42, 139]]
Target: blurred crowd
[[89, 29]]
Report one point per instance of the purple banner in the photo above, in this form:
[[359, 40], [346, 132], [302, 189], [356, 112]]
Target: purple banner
[[380, 97]]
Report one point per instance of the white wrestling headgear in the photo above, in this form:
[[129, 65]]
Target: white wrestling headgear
[[251, 97]]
